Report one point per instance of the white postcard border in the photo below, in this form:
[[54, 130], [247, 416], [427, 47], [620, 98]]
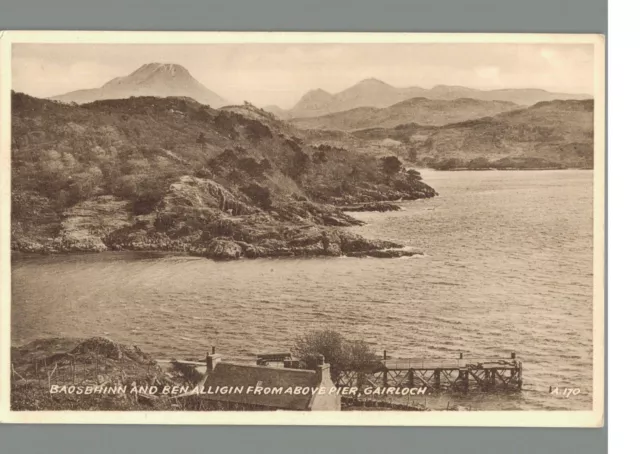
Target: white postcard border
[[593, 418]]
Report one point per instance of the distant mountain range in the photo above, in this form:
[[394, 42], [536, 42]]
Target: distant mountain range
[[152, 79], [423, 111], [375, 93], [168, 79]]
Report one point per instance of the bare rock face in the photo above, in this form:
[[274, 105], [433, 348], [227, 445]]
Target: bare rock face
[[223, 250], [200, 193], [200, 217], [86, 224], [79, 242], [352, 243], [26, 245]]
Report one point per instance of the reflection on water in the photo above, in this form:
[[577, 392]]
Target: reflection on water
[[507, 266]]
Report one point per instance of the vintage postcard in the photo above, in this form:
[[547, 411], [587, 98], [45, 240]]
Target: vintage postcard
[[302, 228]]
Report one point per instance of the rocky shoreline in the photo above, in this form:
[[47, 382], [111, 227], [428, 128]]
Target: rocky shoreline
[[371, 206], [309, 243], [232, 231]]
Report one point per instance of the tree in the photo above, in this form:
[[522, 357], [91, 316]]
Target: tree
[[202, 140], [82, 185], [341, 353], [391, 165]]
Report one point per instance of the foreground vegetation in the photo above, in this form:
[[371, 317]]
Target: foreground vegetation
[[172, 174], [342, 353]]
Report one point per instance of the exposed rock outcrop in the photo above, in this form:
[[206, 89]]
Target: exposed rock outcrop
[[200, 217]]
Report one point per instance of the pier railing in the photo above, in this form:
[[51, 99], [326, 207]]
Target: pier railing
[[457, 375]]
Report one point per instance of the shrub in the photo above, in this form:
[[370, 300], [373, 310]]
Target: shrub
[[391, 165], [449, 164], [299, 164], [145, 191], [257, 131], [225, 125], [251, 166], [202, 141], [413, 175], [341, 353], [320, 157], [186, 373], [479, 163], [260, 195]]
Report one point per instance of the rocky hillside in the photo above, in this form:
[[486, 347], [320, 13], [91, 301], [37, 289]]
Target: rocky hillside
[[554, 134], [152, 79], [376, 93], [415, 110], [172, 174]]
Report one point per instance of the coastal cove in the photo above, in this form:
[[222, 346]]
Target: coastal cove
[[490, 241]]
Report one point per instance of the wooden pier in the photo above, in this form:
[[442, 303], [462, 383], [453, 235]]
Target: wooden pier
[[461, 375]]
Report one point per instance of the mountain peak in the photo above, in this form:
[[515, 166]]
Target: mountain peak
[[372, 81], [151, 79], [318, 92], [155, 70], [314, 99], [165, 67]]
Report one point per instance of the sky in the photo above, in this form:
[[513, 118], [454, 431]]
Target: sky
[[266, 74]]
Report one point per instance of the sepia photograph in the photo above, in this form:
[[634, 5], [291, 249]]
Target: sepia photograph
[[302, 228]]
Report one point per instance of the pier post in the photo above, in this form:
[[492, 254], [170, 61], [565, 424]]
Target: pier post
[[464, 374], [385, 374]]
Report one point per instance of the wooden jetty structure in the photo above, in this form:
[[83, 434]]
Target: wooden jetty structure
[[462, 375]]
